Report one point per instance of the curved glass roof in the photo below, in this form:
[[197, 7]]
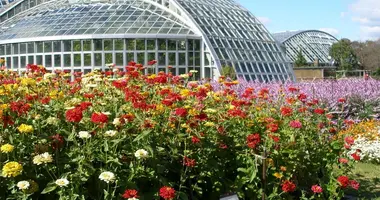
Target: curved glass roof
[[313, 43], [239, 39], [121, 17], [231, 34]]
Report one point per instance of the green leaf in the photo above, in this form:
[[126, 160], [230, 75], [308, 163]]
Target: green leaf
[[50, 187], [242, 170], [106, 146], [142, 135], [182, 196]]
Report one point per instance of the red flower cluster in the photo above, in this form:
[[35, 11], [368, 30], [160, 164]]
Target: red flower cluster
[[349, 140], [286, 111], [189, 162], [74, 115], [253, 140], [342, 100], [319, 111], [355, 156], [130, 194], [288, 186], [344, 182], [167, 193], [343, 160], [152, 62], [295, 124], [180, 112], [20, 107], [99, 118], [195, 140], [354, 184], [316, 189], [272, 127], [237, 113]]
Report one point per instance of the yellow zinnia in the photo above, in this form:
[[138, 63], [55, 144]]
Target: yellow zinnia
[[7, 148], [277, 175], [12, 169], [23, 128]]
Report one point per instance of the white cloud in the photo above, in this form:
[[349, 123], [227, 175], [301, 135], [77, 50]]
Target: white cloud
[[343, 14], [332, 31], [367, 14], [264, 20]]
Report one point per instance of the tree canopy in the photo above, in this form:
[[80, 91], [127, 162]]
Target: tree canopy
[[300, 61], [344, 55]]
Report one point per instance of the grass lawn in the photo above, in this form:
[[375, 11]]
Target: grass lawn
[[368, 175]]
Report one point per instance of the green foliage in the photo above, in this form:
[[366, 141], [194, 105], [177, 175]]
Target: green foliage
[[344, 55], [229, 72], [300, 61]]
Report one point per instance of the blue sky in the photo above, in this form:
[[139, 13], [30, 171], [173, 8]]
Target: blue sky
[[353, 19]]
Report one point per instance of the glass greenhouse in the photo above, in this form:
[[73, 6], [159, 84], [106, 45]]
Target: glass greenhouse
[[81, 35], [315, 45]]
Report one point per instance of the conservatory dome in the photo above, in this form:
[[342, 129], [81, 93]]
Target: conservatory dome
[[81, 35], [315, 45]]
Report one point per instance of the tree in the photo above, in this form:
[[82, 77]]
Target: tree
[[368, 54], [344, 55], [229, 72], [300, 61]]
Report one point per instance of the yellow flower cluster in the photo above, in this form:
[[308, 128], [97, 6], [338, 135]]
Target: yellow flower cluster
[[12, 169], [23, 128], [367, 129], [7, 148]]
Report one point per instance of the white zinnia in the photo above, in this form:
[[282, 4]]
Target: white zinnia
[[42, 158], [110, 133], [23, 185], [62, 182], [141, 154], [84, 135], [116, 122], [107, 177]]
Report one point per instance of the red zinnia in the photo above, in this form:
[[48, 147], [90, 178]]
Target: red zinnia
[[343, 181], [295, 124], [286, 111], [130, 194], [354, 184], [349, 140], [272, 127], [74, 115], [189, 162], [316, 189], [319, 111], [195, 140], [181, 112], [167, 193], [288, 186], [355, 156], [343, 160], [99, 118], [342, 100], [253, 140]]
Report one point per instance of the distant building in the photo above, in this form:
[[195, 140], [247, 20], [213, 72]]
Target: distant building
[[315, 45], [82, 35]]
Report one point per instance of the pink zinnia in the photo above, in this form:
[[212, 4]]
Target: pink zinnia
[[295, 124], [316, 189]]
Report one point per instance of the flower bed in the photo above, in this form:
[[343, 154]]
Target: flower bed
[[112, 136], [357, 98], [366, 136]]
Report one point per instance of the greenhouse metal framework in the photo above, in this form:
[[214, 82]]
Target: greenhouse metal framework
[[82, 35], [315, 45]]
